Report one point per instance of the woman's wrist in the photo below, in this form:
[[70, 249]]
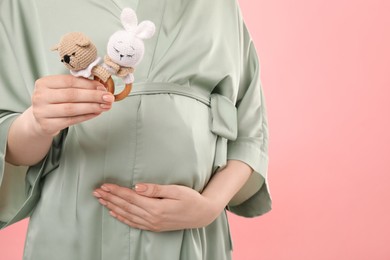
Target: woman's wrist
[[33, 126], [27, 144], [226, 183]]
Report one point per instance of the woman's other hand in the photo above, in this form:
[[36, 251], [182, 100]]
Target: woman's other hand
[[172, 207], [158, 207]]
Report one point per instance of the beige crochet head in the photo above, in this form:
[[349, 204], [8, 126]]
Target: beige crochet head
[[76, 51]]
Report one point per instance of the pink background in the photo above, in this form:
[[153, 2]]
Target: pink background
[[325, 71]]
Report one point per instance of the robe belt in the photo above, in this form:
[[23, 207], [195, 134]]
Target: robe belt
[[223, 112]]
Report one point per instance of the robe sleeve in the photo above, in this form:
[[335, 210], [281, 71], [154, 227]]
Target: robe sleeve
[[19, 186], [251, 145]]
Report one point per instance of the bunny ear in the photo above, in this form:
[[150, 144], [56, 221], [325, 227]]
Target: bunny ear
[[145, 30], [129, 19]]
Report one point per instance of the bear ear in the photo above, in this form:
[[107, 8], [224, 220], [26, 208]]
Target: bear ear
[[82, 40], [145, 30], [55, 47], [129, 19]]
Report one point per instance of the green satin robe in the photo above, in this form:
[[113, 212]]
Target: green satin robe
[[197, 102]]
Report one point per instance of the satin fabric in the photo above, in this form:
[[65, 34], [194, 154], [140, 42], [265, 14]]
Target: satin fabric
[[197, 102]]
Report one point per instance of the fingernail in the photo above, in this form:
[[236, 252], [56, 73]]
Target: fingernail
[[113, 214], [103, 202], [105, 106], [140, 188], [108, 98], [101, 88], [105, 188], [96, 194]]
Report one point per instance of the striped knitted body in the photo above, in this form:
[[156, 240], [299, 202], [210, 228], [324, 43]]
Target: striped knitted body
[[101, 73]]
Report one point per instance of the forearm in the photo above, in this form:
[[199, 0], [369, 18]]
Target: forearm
[[26, 144], [227, 182]]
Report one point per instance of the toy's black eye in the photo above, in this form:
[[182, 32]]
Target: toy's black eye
[[130, 56], [116, 50], [73, 54]]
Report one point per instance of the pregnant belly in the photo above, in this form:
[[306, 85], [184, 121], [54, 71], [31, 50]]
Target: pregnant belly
[[156, 138], [174, 141]]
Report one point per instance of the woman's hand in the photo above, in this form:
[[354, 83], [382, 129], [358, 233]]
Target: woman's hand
[[63, 100], [57, 102], [172, 207], [158, 207]]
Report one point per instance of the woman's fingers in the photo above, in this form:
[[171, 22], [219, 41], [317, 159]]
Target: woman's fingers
[[73, 95], [125, 198], [162, 208], [64, 100], [131, 196], [66, 81], [97, 94], [128, 214], [120, 207], [65, 110], [152, 190], [130, 223]]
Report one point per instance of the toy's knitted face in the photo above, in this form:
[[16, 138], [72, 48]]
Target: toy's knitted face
[[125, 49], [76, 51]]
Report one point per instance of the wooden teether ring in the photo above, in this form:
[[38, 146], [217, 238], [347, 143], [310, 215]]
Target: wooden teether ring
[[110, 86], [125, 92]]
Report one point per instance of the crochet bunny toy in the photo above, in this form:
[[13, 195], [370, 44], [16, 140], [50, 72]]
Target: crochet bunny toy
[[125, 50]]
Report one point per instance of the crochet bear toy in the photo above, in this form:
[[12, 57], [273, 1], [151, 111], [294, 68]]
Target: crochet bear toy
[[125, 50], [79, 55]]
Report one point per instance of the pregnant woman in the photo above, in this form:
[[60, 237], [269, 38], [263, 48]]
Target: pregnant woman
[[148, 177]]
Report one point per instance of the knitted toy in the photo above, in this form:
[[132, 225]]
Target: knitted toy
[[125, 50], [79, 55]]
